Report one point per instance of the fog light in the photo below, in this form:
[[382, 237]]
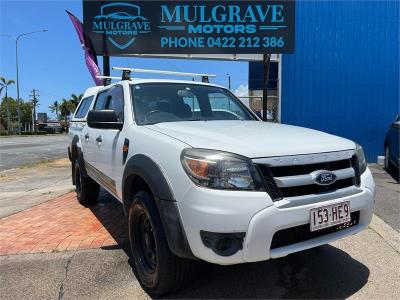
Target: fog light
[[224, 244]]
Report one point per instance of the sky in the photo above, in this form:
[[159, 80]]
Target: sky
[[53, 62]]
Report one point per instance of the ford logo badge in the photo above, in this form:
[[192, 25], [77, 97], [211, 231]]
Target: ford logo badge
[[324, 177]]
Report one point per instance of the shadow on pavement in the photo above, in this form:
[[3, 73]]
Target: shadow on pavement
[[110, 213], [325, 272], [394, 172], [322, 273]]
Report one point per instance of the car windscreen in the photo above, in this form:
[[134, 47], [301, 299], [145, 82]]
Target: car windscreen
[[173, 102]]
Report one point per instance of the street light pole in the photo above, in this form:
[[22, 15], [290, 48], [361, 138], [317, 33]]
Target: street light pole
[[16, 61]]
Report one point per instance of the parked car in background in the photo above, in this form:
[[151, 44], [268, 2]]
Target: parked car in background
[[392, 147]]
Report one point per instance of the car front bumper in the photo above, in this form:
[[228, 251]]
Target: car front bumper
[[259, 218]]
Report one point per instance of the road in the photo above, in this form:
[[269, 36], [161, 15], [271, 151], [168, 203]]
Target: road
[[20, 151]]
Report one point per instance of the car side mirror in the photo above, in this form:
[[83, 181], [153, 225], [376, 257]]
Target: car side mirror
[[104, 119]]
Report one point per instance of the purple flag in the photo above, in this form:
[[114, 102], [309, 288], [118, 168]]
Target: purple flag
[[90, 55]]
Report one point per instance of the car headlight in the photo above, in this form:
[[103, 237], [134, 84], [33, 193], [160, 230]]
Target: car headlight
[[361, 162], [220, 170]]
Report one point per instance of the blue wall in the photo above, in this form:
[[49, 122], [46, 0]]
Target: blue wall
[[343, 77]]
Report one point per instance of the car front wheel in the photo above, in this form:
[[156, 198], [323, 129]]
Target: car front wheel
[[158, 270]]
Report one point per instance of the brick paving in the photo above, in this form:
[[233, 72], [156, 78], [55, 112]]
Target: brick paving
[[63, 224]]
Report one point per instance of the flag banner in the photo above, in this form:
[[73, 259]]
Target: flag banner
[[90, 55]]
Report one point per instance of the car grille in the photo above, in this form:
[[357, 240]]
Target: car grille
[[296, 180], [302, 233], [316, 189]]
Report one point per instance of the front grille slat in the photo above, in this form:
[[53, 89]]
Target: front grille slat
[[296, 180], [307, 169], [315, 189], [302, 233], [307, 179]]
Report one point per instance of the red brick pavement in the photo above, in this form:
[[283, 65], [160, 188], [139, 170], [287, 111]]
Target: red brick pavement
[[63, 224]]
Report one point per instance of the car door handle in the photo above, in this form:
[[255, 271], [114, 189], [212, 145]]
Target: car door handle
[[98, 139], [86, 137]]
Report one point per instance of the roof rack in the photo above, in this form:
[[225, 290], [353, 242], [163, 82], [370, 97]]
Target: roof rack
[[126, 72]]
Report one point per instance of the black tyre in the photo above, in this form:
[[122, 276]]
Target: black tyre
[[388, 165], [87, 190], [158, 270]]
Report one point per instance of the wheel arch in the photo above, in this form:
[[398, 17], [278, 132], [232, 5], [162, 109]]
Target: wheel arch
[[142, 173]]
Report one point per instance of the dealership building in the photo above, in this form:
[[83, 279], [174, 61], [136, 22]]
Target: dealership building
[[343, 77]]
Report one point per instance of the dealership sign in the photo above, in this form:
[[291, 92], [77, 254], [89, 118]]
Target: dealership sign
[[195, 27]]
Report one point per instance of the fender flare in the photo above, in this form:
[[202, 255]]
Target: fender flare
[[147, 170]]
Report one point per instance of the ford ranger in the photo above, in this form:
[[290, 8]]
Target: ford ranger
[[201, 177]]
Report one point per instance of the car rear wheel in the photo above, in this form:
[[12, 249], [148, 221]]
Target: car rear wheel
[[158, 270], [87, 190]]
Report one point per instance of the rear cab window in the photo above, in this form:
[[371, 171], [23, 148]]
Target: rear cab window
[[112, 99], [83, 108]]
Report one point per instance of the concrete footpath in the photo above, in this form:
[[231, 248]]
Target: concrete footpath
[[22, 188]]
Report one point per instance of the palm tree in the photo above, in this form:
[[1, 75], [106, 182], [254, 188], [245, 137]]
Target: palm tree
[[66, 108], [76, 99], [55, 108], [4, 84]]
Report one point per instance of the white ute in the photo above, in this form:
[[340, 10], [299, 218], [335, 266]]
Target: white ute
[[201, 177]]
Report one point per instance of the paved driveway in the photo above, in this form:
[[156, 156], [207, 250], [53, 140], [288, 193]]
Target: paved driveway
[[387, 199], [19, 151]]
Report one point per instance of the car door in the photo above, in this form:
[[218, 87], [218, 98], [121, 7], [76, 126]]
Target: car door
[[109, 144], [90, 134], [79, 122]]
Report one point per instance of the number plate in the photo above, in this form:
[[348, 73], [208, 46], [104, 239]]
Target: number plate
[[330, 215]]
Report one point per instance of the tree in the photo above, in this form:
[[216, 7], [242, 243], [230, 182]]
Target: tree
[[67, 107], [4, 84], [55, 108], [26, 112]]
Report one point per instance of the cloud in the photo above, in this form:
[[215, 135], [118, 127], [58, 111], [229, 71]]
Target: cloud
[[242, 90]]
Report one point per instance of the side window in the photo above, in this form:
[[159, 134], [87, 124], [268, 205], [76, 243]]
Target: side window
[[101, 101], [116, 101], [84, 107]]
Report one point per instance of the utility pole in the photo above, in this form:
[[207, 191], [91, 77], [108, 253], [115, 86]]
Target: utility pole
[[34, 96]]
